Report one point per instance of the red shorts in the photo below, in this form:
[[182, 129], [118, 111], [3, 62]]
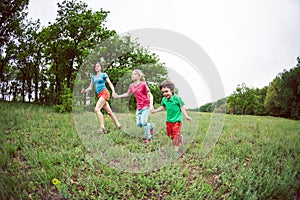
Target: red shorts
[[104, 93], [173, 131]]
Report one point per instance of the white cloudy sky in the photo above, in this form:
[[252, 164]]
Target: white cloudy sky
[[249, 41]]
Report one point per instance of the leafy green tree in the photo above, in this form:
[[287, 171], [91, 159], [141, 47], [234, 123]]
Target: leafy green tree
[[247, 100], [206, 107], [283, 96], [290, 84], [239, 102], [27, 55], [218, 106], [272, 101], [258, 107], [76, 30], [80, 30], [12, 14]]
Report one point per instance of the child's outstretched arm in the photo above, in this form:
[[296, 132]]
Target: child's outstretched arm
[[126, 94], [160, 108], [110, 85], [183, 110], [87, 89]]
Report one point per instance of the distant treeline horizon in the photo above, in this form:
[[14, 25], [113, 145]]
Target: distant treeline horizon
[[281, 98]]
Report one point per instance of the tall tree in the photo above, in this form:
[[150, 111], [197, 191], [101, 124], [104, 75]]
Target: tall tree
[[28, 58], [283, 95], [291, 92], [81, 29], [76, 30], [12, 13], [260, 94]]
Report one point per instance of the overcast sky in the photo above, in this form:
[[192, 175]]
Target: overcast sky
[[249, 41]]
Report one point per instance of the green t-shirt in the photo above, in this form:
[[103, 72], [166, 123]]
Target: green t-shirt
[[172, 107]]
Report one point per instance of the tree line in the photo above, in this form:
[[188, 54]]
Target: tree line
[[281, 98], [41, 64]]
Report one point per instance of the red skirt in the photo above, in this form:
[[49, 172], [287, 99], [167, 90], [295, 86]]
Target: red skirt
[[104, 93]]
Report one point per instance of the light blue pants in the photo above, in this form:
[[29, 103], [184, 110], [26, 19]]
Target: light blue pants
[[142, 121]]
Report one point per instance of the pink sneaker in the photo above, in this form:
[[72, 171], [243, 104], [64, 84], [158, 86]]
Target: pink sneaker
[[147, 140]]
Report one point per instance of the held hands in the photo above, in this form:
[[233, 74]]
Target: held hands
[[83, 91], [188, 118], [151, 107], [115, 95]]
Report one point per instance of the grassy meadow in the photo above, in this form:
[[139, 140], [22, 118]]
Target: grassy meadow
[[47, 155]]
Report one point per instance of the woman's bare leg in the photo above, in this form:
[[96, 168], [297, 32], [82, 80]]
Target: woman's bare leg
[[100, 103], [112, 115]]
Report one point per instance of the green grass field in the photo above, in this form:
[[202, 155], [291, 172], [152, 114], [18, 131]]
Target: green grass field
[[46, 155]]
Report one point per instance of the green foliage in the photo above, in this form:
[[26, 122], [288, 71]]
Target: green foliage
[[259, 108], [13, 14], [255, 158], [28, 53], [219, 106], [247, 100], [67, 42], [241, 100], [206, 108], [156, 92], [283, 96], [272, 103], [66, 105]]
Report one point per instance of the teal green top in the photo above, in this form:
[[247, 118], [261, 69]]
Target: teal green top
[[99, 82], [172, 107]]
